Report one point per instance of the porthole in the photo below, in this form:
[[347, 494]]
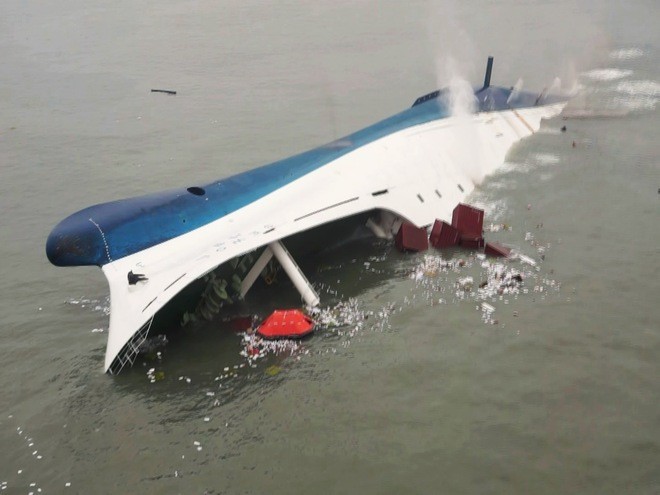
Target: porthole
[[197, 191]]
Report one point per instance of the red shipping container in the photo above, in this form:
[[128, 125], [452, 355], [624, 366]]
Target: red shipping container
[[444, 235], [495, 249], [468, 220], [411, 238], [472, 241]]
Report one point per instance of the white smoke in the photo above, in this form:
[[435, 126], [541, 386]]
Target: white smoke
[[515, 91], [460, 97], [467, 151]]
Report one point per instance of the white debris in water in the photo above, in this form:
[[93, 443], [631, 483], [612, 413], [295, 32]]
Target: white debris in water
[[526, 259], [487, 307], [343, 314], [93, 304], [98, 330], [433, 265], [465, 283], [499, 279], [254, 347]]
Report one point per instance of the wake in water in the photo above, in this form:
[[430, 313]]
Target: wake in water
[[627, 54], [612, 92]]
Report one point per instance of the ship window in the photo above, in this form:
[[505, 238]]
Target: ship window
[[197, 191]]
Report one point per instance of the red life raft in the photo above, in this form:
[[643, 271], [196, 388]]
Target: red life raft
[[286, 324]]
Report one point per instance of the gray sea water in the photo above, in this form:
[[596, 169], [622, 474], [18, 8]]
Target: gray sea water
[[556, 391]]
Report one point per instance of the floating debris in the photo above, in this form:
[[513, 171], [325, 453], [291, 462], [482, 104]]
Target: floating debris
[[155, 376], [273, 370], [527, 259], [487, 307], [255, 347], [166, 91], [498, 227], [344, 314], [411, 238], [465, 283]]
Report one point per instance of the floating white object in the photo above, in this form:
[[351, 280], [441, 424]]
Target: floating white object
[[526, 259], [487, 307]]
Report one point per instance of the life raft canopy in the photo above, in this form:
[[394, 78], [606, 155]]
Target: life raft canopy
[[286, 324]]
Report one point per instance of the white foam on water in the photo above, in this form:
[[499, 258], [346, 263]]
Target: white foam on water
[[553, 131], [646, 88], [609, 74], [626, 54], [94, 305], [545, 158], [500, 184], [545, 177], [508, 167], [494, 209], [637, 95]]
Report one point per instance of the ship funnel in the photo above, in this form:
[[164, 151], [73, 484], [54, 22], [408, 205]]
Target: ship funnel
[[489, 70]]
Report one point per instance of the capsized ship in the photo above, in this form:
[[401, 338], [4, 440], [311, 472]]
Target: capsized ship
[[415, 166]]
